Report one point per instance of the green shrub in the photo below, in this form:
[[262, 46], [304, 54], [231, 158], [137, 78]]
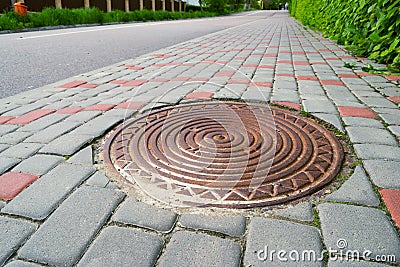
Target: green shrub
[[10, 21], [370, 28]]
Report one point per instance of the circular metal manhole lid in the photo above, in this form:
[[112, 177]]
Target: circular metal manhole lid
[[224, 154]]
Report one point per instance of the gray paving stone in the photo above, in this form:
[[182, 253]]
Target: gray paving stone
[[196, 249], [362, 122], [266, 235], [5, 129], [49, 134], [98, 179], [330, 118], [64, 236], [356, 226], [378, 102], [319, 106], [7, 163], [43, 122], [392, 111], [38, 164], [144, 215], [375, 79], [373, 151], [14, 137], [341, 262], [384, 174], [42, 197], [84, 116], [19, 263], [23, 109], [83, 157], [4, 147], [226, 94], [2, 204], [357, 189], [301, 212], [97, 126], [368, 135], [391, 118], [117, 246], [121, 113], [229, 225], [394, 129], [67, 145], [21, 150], [13, 233]]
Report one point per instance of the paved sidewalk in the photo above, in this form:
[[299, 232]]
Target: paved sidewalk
[[57, 209]]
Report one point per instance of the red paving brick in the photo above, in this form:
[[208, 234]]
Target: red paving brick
[[307, 78], [263, 84], [198, 79], [88, 85], [270, 55], [392, 77], [266, 67], [395, 99], [101, 107], [118, 82], [239, 81], [356, 112], [72, 84], [363, 73], [4, 119], [131, 105], [160, 80], [138, 82], [227, 73], [12, 183], [161, 55], [200, 95], [135, 68], [69, 110], [302, 63], [250, 66], [284, 62], [180, 79], [392, 200], [345, 75], [332, 82], [292, 105], [31, 116]]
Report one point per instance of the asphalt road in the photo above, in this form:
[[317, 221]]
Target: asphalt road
[[33, 59]]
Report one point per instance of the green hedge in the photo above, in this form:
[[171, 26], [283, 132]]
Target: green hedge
[[56, 17], [370, 28]]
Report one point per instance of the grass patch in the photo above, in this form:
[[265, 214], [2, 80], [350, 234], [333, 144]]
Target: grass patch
[[56, 17]]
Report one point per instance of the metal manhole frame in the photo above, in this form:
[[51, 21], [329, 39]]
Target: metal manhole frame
[[333, 141]]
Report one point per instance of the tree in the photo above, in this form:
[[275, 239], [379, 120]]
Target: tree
[[216, 5]]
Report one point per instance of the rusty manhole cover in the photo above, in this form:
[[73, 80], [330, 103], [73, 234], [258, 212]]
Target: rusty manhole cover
[[224, 154]]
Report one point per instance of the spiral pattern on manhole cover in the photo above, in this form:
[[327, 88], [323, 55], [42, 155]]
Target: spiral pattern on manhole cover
[[224, 154]]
